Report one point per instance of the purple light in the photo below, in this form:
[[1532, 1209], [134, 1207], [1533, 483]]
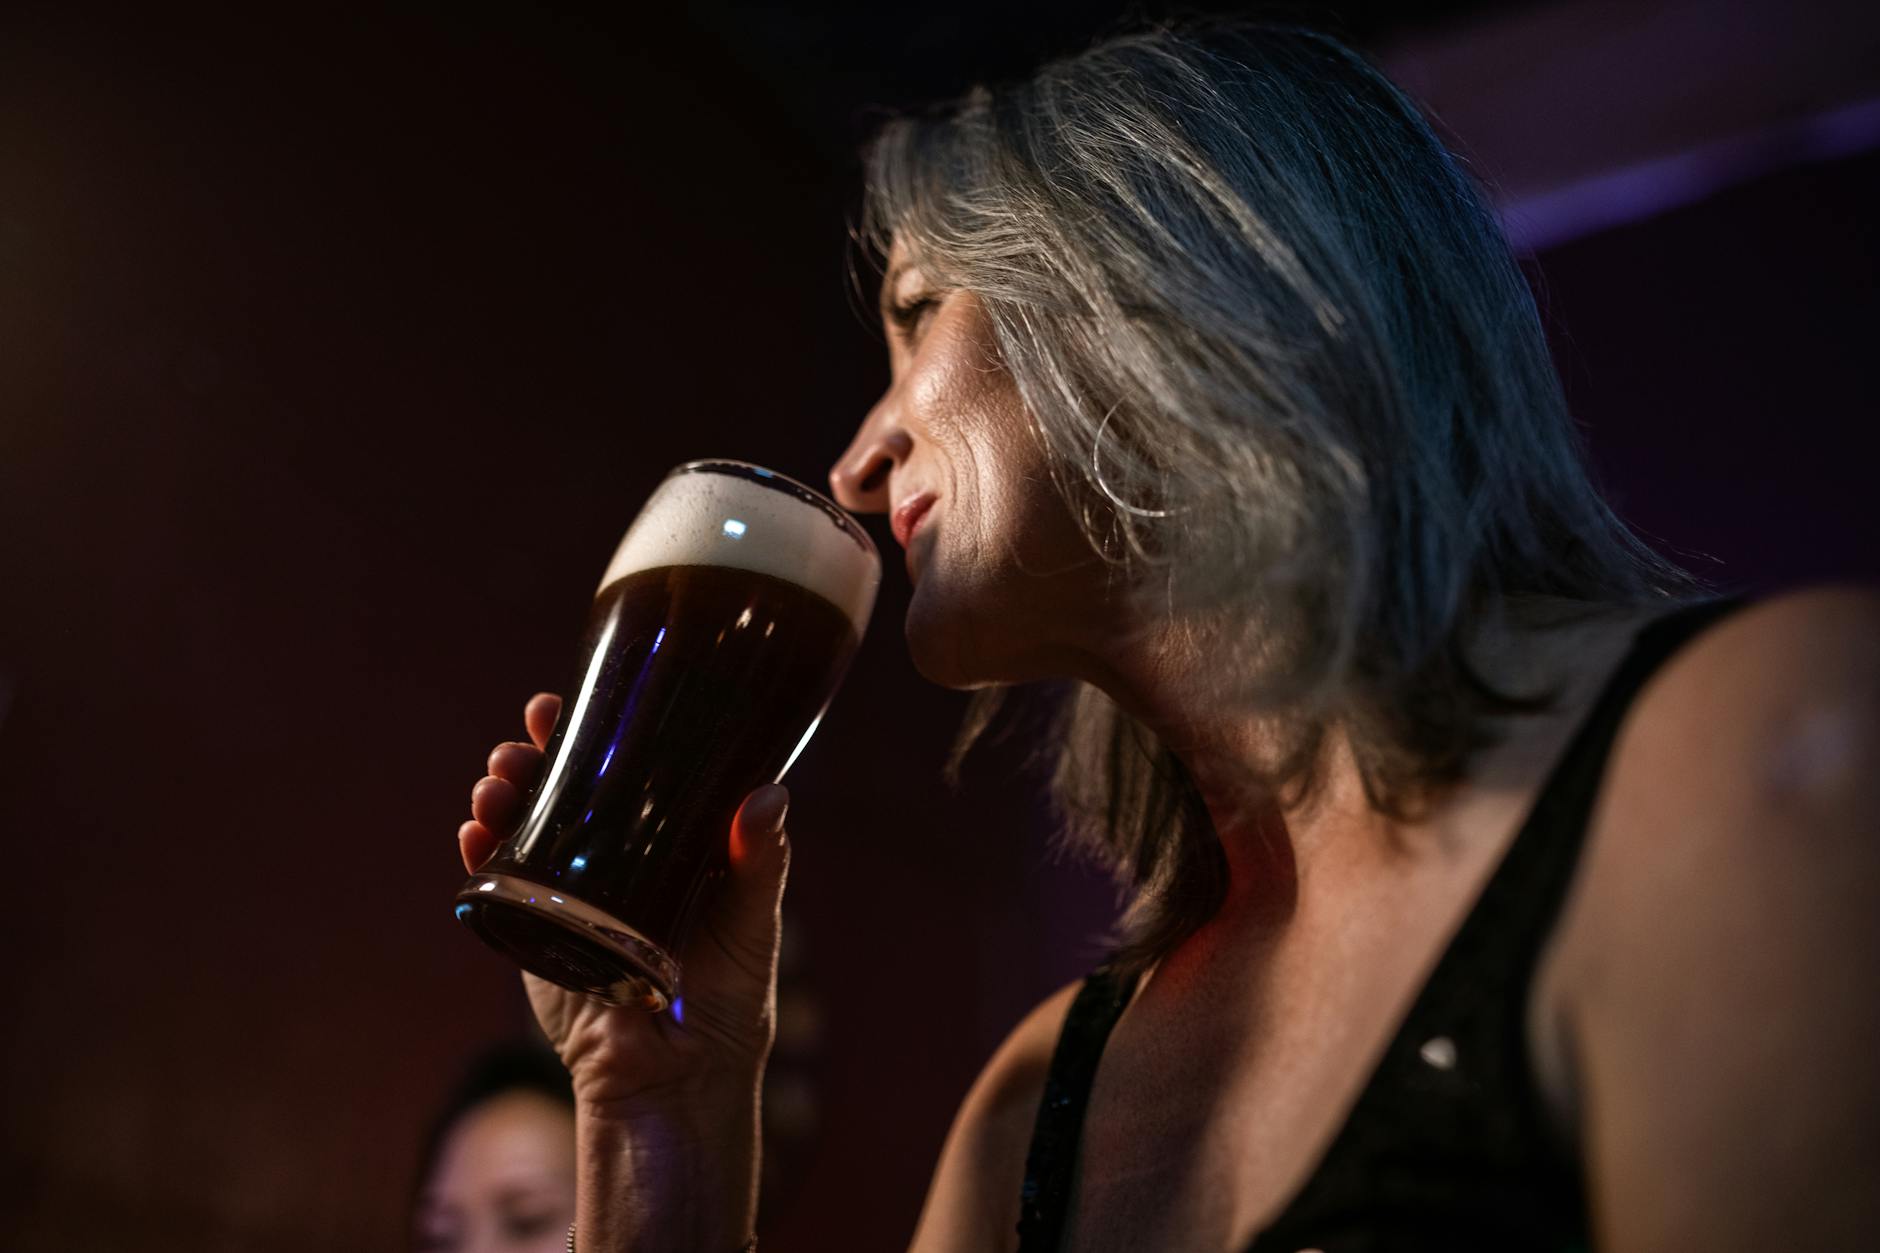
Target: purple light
[[1542, 219]]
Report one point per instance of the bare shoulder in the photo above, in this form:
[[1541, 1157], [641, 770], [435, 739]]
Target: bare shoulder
[[1777, 703], [1755, 743], [1721, 953], [972, 1203], [1791, 657]]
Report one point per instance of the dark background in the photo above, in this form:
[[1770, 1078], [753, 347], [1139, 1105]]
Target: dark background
[[334, 355]]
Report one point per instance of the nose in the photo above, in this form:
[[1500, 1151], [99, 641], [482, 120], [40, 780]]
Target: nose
[[860, 475]]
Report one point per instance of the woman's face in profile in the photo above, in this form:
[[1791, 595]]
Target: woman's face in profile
[[503, 1181], [1005, 586]]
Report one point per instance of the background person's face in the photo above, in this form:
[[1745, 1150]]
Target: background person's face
[[504, 1180]]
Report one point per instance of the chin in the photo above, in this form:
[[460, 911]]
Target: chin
[[934, 645], [958, 645]]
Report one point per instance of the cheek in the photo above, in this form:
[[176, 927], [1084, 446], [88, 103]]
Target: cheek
[[1004, 586], [995, 478], [990, 596]]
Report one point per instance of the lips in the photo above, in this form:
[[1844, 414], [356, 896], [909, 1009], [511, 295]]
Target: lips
[[907, 516]]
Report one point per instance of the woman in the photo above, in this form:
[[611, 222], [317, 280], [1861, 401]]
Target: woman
[[1494, 888], [497, 1173]]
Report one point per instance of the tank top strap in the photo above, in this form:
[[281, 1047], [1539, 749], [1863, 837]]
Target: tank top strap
[[1052, 1158], [1567, 798], [1516, 912]]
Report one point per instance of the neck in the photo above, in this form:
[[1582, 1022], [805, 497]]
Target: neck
[[1170, 682], [1170, 685]]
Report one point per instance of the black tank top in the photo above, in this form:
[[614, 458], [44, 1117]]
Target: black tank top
[[1446, 1148]]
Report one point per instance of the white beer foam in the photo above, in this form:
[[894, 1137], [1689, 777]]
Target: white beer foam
[[707, 519]]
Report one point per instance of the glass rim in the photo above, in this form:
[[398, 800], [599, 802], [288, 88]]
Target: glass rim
[[776, 481]]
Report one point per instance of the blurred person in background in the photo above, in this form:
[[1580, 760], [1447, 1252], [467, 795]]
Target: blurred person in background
[[497, 1173]]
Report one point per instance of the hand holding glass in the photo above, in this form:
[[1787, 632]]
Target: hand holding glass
[[721, 630]]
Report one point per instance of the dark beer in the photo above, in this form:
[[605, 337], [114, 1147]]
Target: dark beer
[[700, 683]]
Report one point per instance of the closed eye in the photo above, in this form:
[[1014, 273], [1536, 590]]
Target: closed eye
[[908, 315]]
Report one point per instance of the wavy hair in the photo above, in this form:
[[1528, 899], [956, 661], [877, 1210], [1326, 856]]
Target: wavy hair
[[1286, 373]]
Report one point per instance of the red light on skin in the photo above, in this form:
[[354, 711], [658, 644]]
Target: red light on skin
[[1262, 897]]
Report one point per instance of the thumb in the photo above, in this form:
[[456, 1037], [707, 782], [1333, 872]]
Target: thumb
[[750, 904]]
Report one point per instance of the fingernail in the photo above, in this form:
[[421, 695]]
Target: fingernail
[[773, 801]]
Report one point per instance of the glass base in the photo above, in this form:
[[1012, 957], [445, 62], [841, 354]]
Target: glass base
[[568, 942]]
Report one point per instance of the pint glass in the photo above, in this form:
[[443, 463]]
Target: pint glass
[[719, 633]]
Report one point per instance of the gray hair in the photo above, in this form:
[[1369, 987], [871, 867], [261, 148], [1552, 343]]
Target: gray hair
[[1284, 366]]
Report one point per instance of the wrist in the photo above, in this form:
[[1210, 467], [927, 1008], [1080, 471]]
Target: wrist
[[666, 1176], [749, 1246], [703, 1100]]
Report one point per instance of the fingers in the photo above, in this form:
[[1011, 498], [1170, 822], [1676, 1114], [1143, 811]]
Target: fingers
[[757, 837], [496, 800], [496, 803], [539, 716], [749, 908], [516, 763], [477, 844], [514, 767]]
